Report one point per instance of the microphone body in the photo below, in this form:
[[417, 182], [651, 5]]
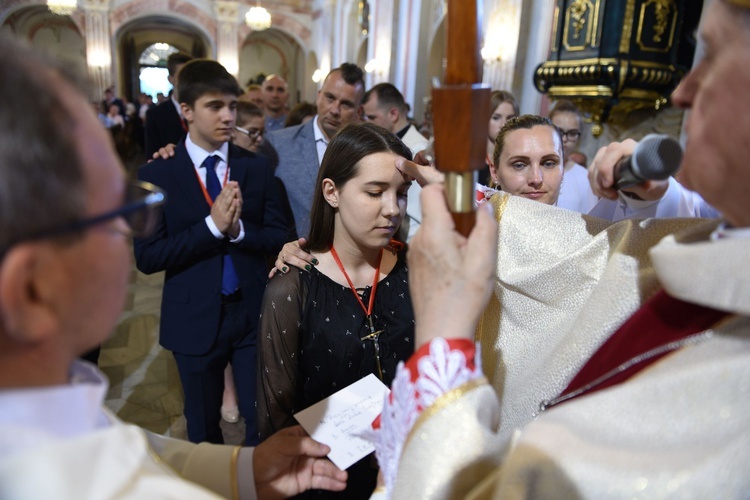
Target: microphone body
[[656, 157]]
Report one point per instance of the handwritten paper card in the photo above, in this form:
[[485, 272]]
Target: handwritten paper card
[[341, 420]]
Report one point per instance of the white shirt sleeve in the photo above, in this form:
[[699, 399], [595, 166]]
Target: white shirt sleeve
[[676, 202], [219, 235]]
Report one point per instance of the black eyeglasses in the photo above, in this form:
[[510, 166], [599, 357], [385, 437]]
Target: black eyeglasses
[[141, 210], [571, 134], [253, 134]]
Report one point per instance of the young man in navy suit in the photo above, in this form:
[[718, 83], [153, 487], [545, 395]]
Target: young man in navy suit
[[224, 216]]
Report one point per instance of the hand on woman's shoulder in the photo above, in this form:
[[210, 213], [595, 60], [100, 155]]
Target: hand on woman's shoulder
[[280, 285]]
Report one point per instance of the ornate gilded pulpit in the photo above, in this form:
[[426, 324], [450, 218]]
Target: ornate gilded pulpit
[[614, 56]]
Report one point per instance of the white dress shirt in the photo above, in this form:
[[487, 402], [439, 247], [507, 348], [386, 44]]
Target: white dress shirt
[[321, 143]]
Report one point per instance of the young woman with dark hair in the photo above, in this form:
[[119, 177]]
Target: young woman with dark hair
[[326, 327]]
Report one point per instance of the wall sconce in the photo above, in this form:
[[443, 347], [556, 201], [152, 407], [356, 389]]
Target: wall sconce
[[230, 64], [500, 37], [374, 66], [317, 75], [491, 54], [99, 59]]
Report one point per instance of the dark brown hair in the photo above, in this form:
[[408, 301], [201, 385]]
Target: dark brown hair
[[176, 59], [350, 73], [340, 164], [387, 96], [201, 76]]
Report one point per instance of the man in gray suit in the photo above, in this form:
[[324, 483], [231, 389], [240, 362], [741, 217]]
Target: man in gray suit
[[301, 148]]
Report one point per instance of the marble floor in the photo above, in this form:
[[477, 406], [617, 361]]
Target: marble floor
[[145, 387]]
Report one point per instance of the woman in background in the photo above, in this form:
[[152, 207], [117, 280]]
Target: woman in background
[[528, 159], [301, 113], [503, 107], [250, 127]]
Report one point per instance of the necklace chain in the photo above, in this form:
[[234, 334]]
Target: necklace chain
[[656, 351]]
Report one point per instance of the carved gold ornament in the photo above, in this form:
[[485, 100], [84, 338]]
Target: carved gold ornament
[[578, 14], [663, 7]]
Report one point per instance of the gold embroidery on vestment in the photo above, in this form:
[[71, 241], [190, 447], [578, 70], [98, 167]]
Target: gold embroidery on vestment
[[442, 401]]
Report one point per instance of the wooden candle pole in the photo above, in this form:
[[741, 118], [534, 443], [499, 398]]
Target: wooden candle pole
[[461, 113]]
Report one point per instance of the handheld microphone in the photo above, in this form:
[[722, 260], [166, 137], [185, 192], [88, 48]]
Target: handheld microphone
[[656, 157]]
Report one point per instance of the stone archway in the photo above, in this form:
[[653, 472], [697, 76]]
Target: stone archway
[[136, 34]]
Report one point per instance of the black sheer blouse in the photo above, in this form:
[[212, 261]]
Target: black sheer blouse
[[309, 340]]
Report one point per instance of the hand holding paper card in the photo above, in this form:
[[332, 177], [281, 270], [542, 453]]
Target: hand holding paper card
[[341, 420]]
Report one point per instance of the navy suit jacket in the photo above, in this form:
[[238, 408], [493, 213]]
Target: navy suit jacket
[[298, 169], [163, 126], [184, 247]]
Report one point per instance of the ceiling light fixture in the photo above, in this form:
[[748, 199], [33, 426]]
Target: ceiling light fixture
[[62, 7], [258, 18]]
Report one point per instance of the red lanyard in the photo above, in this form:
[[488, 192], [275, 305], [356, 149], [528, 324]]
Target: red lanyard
[[367, 310], [203, 185]]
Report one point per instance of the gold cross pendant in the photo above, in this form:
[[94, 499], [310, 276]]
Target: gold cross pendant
[[372, 336]]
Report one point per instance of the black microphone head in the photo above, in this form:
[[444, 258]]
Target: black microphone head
[[656, 157]]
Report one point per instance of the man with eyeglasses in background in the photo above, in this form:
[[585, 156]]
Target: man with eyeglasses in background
[[65, 264]]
